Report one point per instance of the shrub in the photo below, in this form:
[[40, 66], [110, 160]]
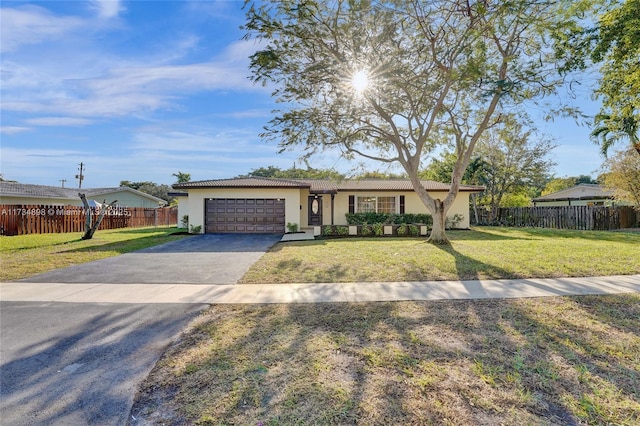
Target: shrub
[[387, 218], [366, 230], [341, 230], [292, 227], [378, 229], [195, 229], [453, 221]]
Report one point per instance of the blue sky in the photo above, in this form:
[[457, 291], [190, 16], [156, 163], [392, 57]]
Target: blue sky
[[139, 90]]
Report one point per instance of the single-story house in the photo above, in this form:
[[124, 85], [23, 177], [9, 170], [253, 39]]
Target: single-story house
[[267, 205], [584, 194], [14, 193]]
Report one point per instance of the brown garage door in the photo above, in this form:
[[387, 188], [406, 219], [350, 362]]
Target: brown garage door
[[245, 215]]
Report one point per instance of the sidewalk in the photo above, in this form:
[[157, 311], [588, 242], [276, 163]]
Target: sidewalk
[[315, 293]]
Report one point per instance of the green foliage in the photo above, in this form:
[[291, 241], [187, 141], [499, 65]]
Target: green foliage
[[378, 229], [160, 191], [623, 177], [341, 230], [294, 173], [366, 230], [335, 230], [558, 184], [387, 218], [292, 227], [182, 177], [411, 230], [453, 221], [439, 74], [185, 221], [614, 43], [195, 229]]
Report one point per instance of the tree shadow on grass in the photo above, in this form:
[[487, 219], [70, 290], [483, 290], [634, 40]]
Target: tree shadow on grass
[[473, 362], [469, 268]]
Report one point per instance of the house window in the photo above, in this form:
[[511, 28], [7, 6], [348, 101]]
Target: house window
[[376, 205]]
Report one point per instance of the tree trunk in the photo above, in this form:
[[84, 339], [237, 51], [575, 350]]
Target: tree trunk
[[438, 235], [88, 229], [474, 203]]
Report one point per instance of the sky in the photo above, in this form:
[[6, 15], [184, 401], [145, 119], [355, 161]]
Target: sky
[[140, 90]]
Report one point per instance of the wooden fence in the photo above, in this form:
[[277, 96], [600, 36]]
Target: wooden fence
[[39, 219], [566, 217]]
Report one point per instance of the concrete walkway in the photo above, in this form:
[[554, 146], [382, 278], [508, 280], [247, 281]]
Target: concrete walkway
[[314, 293]]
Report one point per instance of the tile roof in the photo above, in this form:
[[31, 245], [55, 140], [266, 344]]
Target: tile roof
[[15, 189], [582, 191], [252, 182], [322, 185]]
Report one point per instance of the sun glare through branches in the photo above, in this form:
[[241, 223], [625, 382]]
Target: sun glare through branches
[[360, 81]]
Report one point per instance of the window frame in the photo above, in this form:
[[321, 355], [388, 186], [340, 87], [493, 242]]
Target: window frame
[[396, 203]]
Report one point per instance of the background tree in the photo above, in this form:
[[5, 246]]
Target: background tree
[[517, 163], [294, 173], [558, 184], [622, 175], [613, 43], [160, 191], [182, 177], [393, 81]]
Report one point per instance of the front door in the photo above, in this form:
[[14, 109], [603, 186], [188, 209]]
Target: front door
[[315, 210]]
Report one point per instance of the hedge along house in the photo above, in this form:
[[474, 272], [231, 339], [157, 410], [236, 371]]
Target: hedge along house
[[267, 205]]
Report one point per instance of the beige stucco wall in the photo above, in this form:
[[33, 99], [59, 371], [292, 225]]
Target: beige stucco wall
[[296, 203], [197, 201], [183, 209]]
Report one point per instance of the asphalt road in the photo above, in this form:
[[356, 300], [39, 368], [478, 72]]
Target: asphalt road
[[81, 363]]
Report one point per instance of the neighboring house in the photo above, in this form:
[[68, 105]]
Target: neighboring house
[[584, 194], [266, 205], [26, 194]]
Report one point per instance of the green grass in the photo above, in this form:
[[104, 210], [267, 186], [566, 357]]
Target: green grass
[[543, 361], [482, 253], [22, 256]]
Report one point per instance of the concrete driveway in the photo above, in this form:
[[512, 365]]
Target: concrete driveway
[[200, 259], [81, 363]]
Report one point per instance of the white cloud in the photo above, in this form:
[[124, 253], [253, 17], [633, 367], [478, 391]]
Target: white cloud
[[225, 141], [12, 130], [31, 25], [58, 121], [107, 9]]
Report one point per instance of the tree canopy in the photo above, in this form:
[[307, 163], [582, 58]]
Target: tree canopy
[[393, 81], [614, 44]]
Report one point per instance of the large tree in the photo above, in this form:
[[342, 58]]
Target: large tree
[[516, 159], [612, 42], [392, 81], [622, 175]]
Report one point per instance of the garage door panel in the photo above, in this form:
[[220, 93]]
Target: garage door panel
[[245, 215]]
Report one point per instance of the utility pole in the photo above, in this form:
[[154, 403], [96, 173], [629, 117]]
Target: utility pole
[[62, 181], [80, 176]]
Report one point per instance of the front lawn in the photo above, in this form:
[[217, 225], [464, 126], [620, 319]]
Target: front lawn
[[543, 361], [482, 253]]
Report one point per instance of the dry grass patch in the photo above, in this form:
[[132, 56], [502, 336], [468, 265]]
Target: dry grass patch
[[483, 253], [557, 361]]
